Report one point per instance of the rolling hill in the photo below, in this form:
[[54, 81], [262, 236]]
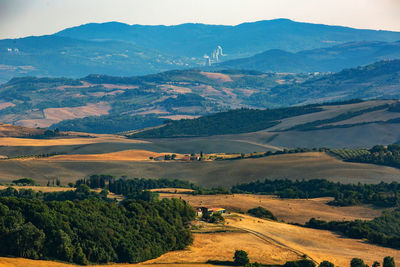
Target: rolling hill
[[329, 59], [110, 104], [340, 115], [378, 80], [119, 49]]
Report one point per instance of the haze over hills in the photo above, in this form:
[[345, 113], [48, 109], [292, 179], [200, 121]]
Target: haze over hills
[[109, 104], [124, 50], [329, 59]]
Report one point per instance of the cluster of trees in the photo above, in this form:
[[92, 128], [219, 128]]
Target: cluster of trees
[[36, 155], [112, 123], [387, 262], [262, 213], [229, 122], [216, 217], [96, 181], [241, 258], [91, 230], [382, 194], [383, 230], [383, 155], [24, 181]]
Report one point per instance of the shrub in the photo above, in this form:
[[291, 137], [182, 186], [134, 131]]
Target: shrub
[[241, 258], [356, 262], [262, 213], [388, 262]]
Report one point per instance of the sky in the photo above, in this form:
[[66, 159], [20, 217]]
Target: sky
[[20, 18]]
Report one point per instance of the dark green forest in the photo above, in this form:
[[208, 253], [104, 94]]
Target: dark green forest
[[109, 124], [89, 229]]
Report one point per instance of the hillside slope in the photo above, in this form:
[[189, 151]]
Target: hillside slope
[[378, 80], [283, 121]]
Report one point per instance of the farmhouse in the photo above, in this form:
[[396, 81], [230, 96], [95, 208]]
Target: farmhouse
[[202, 210]]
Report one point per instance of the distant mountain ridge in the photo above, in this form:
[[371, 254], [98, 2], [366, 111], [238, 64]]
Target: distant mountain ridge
[[329, 59], [247, 38], [124, 50]]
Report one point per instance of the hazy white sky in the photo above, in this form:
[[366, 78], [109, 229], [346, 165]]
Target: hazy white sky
[[19, 18]]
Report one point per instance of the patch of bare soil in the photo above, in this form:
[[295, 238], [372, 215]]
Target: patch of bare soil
[[217, 76]]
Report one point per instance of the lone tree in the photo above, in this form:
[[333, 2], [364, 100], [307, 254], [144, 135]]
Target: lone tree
[[388, 262], [326, 264], [241, 258], [356, 262]]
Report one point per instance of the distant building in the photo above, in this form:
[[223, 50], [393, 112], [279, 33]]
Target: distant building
[[160, 158], [203, 210]]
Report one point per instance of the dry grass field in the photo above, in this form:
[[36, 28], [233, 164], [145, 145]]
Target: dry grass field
[[174, 191], [208, 174], [222, 246], [289, 210], [13, 130], [127, 155], [40, 188], [317, 244], [11, 141]]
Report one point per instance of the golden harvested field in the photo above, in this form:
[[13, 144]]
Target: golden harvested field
[[208, 173], [289, 210], [40, 188], [222, 246], [173, 191], [13, 130], [127, 155], [11, 141]]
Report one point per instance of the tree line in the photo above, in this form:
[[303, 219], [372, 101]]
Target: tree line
[[383, 230], [381, 195]]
